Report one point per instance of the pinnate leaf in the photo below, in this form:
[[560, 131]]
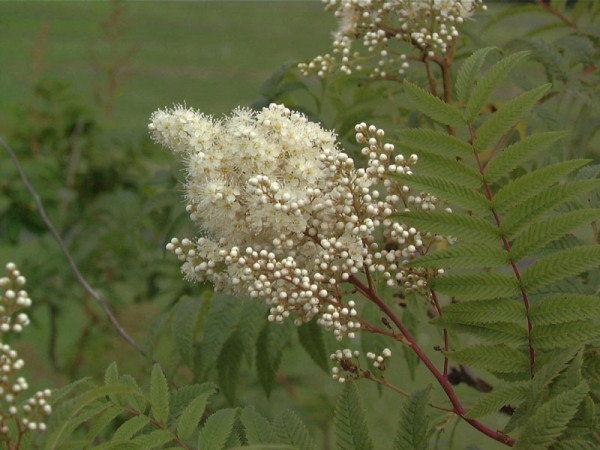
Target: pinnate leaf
[[216, 430], [159, 395], [413, 427], [468, 72], [433, 106], [506, 117], [351, 428]]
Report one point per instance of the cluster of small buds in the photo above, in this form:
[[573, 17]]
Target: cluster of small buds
[[379, 360], [347, 365], [392, 33], [29, 416], [286, 216]]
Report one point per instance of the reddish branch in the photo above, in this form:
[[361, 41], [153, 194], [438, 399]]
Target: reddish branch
[[458, 409]]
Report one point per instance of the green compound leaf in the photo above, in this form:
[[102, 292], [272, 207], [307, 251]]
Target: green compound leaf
[[130, 428], [492, 402], [154, 439], [138, 400], [216, 430], [159, 395], [464, 227], [463, 255], [290, 430], [492, 333], [480, 312], [228, 366], [183, 396], [435, 142], [431, 105], [560, 265], [351, 430], [525, 213], [550, 337], [519, 152], [533, 183], [436, 165], [479, 286], [488, 83], [450, 191], [220, 324], [183, 326], [548, 421], [494, 358], [311, 338], [191, 415], [413, 427], [59, 434], [468, 72], [565, 308], [258, 430], [102, 422], [541, 233], [506, 117]]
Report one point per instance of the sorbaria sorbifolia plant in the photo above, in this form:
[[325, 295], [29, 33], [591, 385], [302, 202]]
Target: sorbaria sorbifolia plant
[[288, 217], [17, 416]]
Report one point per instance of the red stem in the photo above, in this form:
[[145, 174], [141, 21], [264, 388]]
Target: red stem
[[557, 14], [507, 248], [443, 381]]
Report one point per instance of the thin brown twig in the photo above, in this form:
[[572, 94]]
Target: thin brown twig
[[68, 256]]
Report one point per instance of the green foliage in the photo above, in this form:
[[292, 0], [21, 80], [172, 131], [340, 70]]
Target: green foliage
[[413, 427], [216, 430], [351, 428], [434, 107], [290, 430]]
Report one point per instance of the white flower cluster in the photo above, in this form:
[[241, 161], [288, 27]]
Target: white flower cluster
[[286, 216], [393, 32], [30, 415]]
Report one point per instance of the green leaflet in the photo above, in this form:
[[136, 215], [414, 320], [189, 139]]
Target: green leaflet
[[414, 423], [258, 430], [549, 337], [493, 401], [154, 439], [159, 395], [290, 430], [431, 105], [560, 265], [468, 72], [102, 421], [435, 142], [506, 117], [494, 358], [524, 214], [221, 322], [565, 308], [253, 312], [541, 233], [464, 227], [310, 336], [492, 333], [269, 346], [480, 312], [58, 434], [111, 378], [450, 191], [351, 430], [130, 428], [546, 54], [183, 326], [549, 371], [216, 430], [191, 415], [488, 83], [228, 366], [463, 255], [183, 396], [431, 163], [549, 420], [533, 183], [519, 152], [138, 400], [479, 286]]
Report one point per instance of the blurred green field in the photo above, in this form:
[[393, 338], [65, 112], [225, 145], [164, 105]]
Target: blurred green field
[[211, 55]]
